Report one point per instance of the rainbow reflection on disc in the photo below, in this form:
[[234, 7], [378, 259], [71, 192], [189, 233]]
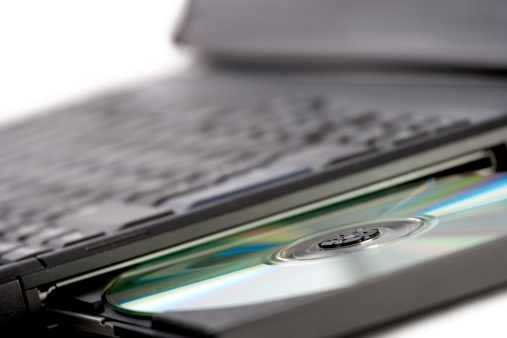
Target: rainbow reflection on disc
[[454, 213]]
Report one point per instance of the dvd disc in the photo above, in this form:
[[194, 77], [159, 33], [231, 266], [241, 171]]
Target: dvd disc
[[325, 249]]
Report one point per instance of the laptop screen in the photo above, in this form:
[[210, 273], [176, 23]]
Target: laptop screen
[[457, 33]]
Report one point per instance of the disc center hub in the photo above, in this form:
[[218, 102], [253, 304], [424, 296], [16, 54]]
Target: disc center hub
[[349, 238]]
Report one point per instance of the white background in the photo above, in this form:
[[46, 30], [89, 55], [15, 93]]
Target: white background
[[56, 51]]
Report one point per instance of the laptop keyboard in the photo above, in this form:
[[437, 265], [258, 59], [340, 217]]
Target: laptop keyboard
[[142, 157]]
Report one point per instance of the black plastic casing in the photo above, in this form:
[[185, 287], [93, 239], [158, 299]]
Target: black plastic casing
[[20, 284]]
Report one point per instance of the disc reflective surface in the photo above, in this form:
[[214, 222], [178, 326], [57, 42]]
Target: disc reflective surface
[[365, 237]]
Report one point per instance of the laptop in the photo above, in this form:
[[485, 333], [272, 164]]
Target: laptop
[[291, 111]]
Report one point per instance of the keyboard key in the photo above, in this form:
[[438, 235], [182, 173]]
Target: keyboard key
[[4, 227], [72, 238], [452, 125], [366, 136], [426, 124], [321, 156], [363, 117], [20, 233], [110, 217], [400, 122], [9, 246], [23, 252], [234, 186], [406, 136], [46, 234]]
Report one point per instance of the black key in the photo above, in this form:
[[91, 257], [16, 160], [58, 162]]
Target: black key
[[399, 122], [46, 234], [311, 132], [407, 136], [452, 125], [14, 219], [363, 118], [237, 185], [377, 137], [155, 198], [324, 155], [71, 238], [341, 153], [368, 136], [4, 227], [52, 212], [20, 233], [9, 246], [23, 252], [110, 217], [426, 124]]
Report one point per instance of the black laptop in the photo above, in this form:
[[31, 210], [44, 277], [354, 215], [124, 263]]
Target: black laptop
[[297, 109]]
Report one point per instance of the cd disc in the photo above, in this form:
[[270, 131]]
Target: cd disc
[[321, 250]]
